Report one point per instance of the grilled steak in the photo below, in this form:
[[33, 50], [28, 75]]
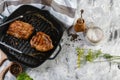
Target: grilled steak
[[41, 42], [20, 29]]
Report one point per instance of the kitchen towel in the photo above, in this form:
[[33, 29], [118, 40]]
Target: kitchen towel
[[64, 10]]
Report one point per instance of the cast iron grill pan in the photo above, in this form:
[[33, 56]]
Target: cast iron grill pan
[[41, 20]]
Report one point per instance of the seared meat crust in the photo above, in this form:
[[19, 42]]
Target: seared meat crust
[[20, 29], [41, 42]]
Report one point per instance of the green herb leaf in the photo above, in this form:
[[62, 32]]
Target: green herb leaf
[[80, 54], [80, 51], [89, 56], [107, 56], [98, 53], [92, 55], [24, 76]]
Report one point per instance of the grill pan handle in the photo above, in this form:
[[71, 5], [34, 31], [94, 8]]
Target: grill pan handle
[[7, 22], [21, 58], [51, 58], [27, 60]]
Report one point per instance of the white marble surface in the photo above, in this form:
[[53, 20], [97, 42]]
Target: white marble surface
[[104, 14]]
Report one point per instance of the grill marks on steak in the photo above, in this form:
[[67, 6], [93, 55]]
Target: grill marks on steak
[[41, 42], [20, 29]]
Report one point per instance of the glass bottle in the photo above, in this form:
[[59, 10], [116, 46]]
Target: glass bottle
[[80, 24]]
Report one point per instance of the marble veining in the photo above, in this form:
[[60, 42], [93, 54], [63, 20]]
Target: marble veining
[[104, 14]]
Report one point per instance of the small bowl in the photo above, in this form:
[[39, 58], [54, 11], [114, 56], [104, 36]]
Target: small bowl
[[15, 69], [94, 35]]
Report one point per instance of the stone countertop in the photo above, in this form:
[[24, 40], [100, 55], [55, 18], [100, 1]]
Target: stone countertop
[[104, 14], [64, 66]]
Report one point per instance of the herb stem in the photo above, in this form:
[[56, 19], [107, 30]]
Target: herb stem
[[107, 60], [114, 58]]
